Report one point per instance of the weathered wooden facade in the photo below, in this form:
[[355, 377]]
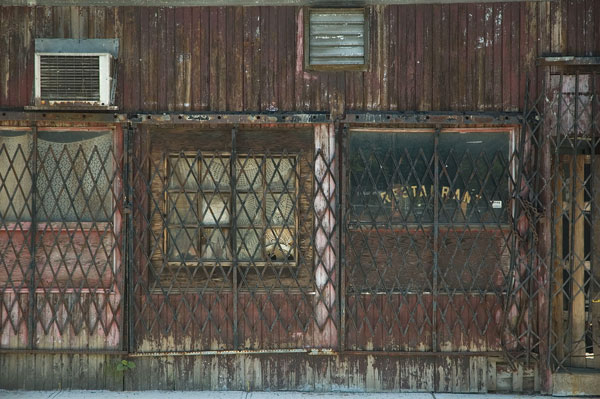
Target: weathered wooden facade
[[241, 221]]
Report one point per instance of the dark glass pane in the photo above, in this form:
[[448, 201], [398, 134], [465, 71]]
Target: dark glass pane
[[391, 177], [474, 177], [183, 244]]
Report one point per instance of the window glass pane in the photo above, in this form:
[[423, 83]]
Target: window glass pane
[[215, 244], [207, 208], [183, 209], [279, 245], [248, 174], [248, 245], [15, 175], [183, 244], [280, 210], [281, 174], [215, 210], [391, 176], [474, 177], [215, 174], [248, 210], [183, 173], [75, 176]]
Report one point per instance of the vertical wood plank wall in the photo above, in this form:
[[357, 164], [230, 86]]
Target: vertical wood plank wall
[[455, 57], [426, 57]]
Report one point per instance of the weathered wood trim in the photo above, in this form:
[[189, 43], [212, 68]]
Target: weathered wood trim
[[326, 253], [174, 3], [274, 372], [577, 347]]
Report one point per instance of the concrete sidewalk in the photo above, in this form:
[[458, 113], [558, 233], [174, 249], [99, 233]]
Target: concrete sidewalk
[[245, 395]]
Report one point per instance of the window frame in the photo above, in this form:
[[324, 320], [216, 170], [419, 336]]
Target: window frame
[[364, 67], [232, 227]]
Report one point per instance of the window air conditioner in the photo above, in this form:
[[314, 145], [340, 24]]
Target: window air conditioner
[[73, 79]]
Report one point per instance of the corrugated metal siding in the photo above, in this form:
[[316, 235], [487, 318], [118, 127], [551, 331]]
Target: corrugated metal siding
[[426, 57]]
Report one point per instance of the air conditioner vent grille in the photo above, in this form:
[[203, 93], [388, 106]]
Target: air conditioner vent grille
[[69, 78], [337, 37]]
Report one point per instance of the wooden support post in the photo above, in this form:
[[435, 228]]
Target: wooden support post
[[578, 259], [595, 262], [326, 334]]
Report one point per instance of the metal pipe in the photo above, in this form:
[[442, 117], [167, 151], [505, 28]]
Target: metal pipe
[[436, 231], [33, 233], [233, 234], [128, 265]]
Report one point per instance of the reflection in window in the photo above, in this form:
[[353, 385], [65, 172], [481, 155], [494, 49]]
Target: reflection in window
[[392, 177]]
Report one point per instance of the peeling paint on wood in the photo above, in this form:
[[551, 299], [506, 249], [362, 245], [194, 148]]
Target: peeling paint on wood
[[168, 60]]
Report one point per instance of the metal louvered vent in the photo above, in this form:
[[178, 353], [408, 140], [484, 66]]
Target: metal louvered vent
[[63, 79], [337, 38]]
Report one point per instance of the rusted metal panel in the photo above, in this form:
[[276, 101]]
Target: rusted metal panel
[[482, 66]]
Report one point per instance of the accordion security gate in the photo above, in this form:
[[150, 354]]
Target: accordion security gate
[[564, 124], [354, 237], [234, 245], [429, 239], [61, 268], [234, 241]]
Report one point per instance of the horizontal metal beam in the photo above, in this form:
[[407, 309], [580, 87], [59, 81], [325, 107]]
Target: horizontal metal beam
[[435, 118], [175, 3], [232, 118], [568, 61], [85, 117], [406, 118]]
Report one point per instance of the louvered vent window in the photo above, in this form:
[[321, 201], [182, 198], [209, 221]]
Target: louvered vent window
[[337, 39], [70, 78]]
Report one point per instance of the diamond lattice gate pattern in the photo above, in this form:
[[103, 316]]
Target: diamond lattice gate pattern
[[564, 121], [363, 238], [61, 238], [429, 239], [234, 241]]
